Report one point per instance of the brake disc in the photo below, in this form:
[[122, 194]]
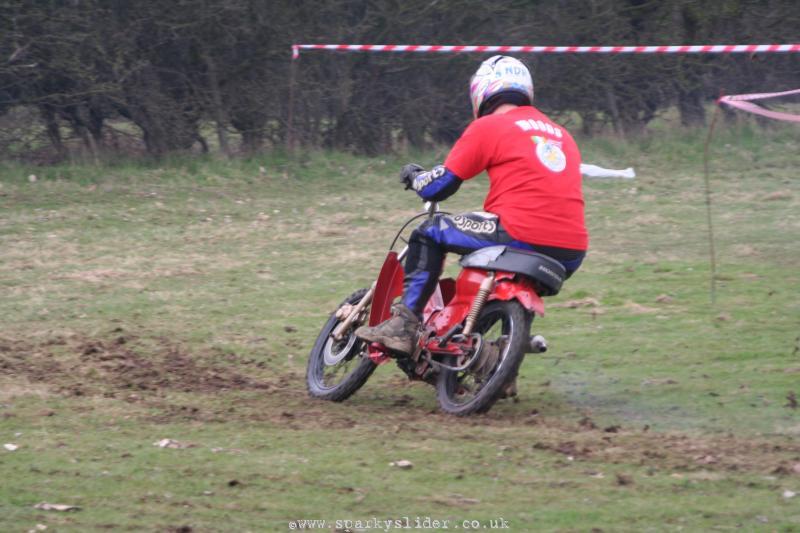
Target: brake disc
[[487, 360], [335, 351]]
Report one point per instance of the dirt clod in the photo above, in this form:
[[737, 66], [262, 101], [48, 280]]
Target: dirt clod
[[659, 381], [706, 459], [624, 480], [792, 400], [90, 348]]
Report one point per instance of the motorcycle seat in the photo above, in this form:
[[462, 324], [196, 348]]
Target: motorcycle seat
[[547, 273]]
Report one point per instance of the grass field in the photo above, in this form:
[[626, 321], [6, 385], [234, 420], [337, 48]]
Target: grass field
[[179, 301]]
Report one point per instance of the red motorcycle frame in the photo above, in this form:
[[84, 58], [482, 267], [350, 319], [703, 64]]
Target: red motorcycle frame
[[450, 304], [475, 328]]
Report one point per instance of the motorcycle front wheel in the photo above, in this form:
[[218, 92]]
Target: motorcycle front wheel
[[337, 369], [505, 328]]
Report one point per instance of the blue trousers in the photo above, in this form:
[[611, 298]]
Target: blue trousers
[[461, 234]]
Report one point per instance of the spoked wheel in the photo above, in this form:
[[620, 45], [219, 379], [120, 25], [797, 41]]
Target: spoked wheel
[[337, 369], [504, 327]]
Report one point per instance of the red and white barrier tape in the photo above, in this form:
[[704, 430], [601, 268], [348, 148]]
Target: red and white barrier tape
[[742, 101], [448, 49]]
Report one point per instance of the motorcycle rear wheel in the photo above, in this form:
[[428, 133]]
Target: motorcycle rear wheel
[[337, 369], [506, 325]]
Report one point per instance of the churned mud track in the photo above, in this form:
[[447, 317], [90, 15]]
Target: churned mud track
[[146, 372], [391, 413], [81, 366], [573, 443]]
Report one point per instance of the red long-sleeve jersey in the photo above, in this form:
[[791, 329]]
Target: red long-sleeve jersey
[[535, 184]]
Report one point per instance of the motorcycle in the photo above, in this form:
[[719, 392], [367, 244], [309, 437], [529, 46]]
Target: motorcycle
[[475, 328]]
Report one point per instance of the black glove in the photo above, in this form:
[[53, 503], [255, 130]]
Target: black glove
[[408, 173]]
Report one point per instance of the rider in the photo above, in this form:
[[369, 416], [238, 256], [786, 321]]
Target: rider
[[534, 202]]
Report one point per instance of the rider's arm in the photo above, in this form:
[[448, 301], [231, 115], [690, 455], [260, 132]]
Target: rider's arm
[[469, 156], [436, 184], [474, 150]]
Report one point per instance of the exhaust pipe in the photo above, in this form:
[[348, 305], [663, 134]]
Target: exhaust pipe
[[536, 344]]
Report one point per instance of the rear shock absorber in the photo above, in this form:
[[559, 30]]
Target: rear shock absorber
[[486, 288]]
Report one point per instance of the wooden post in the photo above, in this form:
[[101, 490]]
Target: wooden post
[[290, 113], [707, 179]]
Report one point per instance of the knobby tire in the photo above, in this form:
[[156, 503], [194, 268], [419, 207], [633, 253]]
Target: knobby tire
[[354, 380], [447, 386]]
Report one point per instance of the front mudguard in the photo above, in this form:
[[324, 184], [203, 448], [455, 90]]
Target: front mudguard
[[388, 287]]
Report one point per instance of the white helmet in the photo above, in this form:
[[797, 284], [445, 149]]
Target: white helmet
[[500, 75]]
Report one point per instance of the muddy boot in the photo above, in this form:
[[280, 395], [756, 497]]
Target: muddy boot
[[398, 334]]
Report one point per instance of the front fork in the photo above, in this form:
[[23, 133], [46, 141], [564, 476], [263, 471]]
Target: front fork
[[351, 313]]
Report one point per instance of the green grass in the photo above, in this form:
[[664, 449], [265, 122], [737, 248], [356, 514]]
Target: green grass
[[179, 300]]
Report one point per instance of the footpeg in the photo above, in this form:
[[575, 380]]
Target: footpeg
[[378, 353], [537, 344], [450, 334]]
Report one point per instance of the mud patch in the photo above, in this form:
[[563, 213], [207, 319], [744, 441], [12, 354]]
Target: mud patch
[[673, 452], [79, 366], [522, 433], [146, 371], [525, 432]]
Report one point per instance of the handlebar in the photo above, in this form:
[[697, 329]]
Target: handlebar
[[432, 208]]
